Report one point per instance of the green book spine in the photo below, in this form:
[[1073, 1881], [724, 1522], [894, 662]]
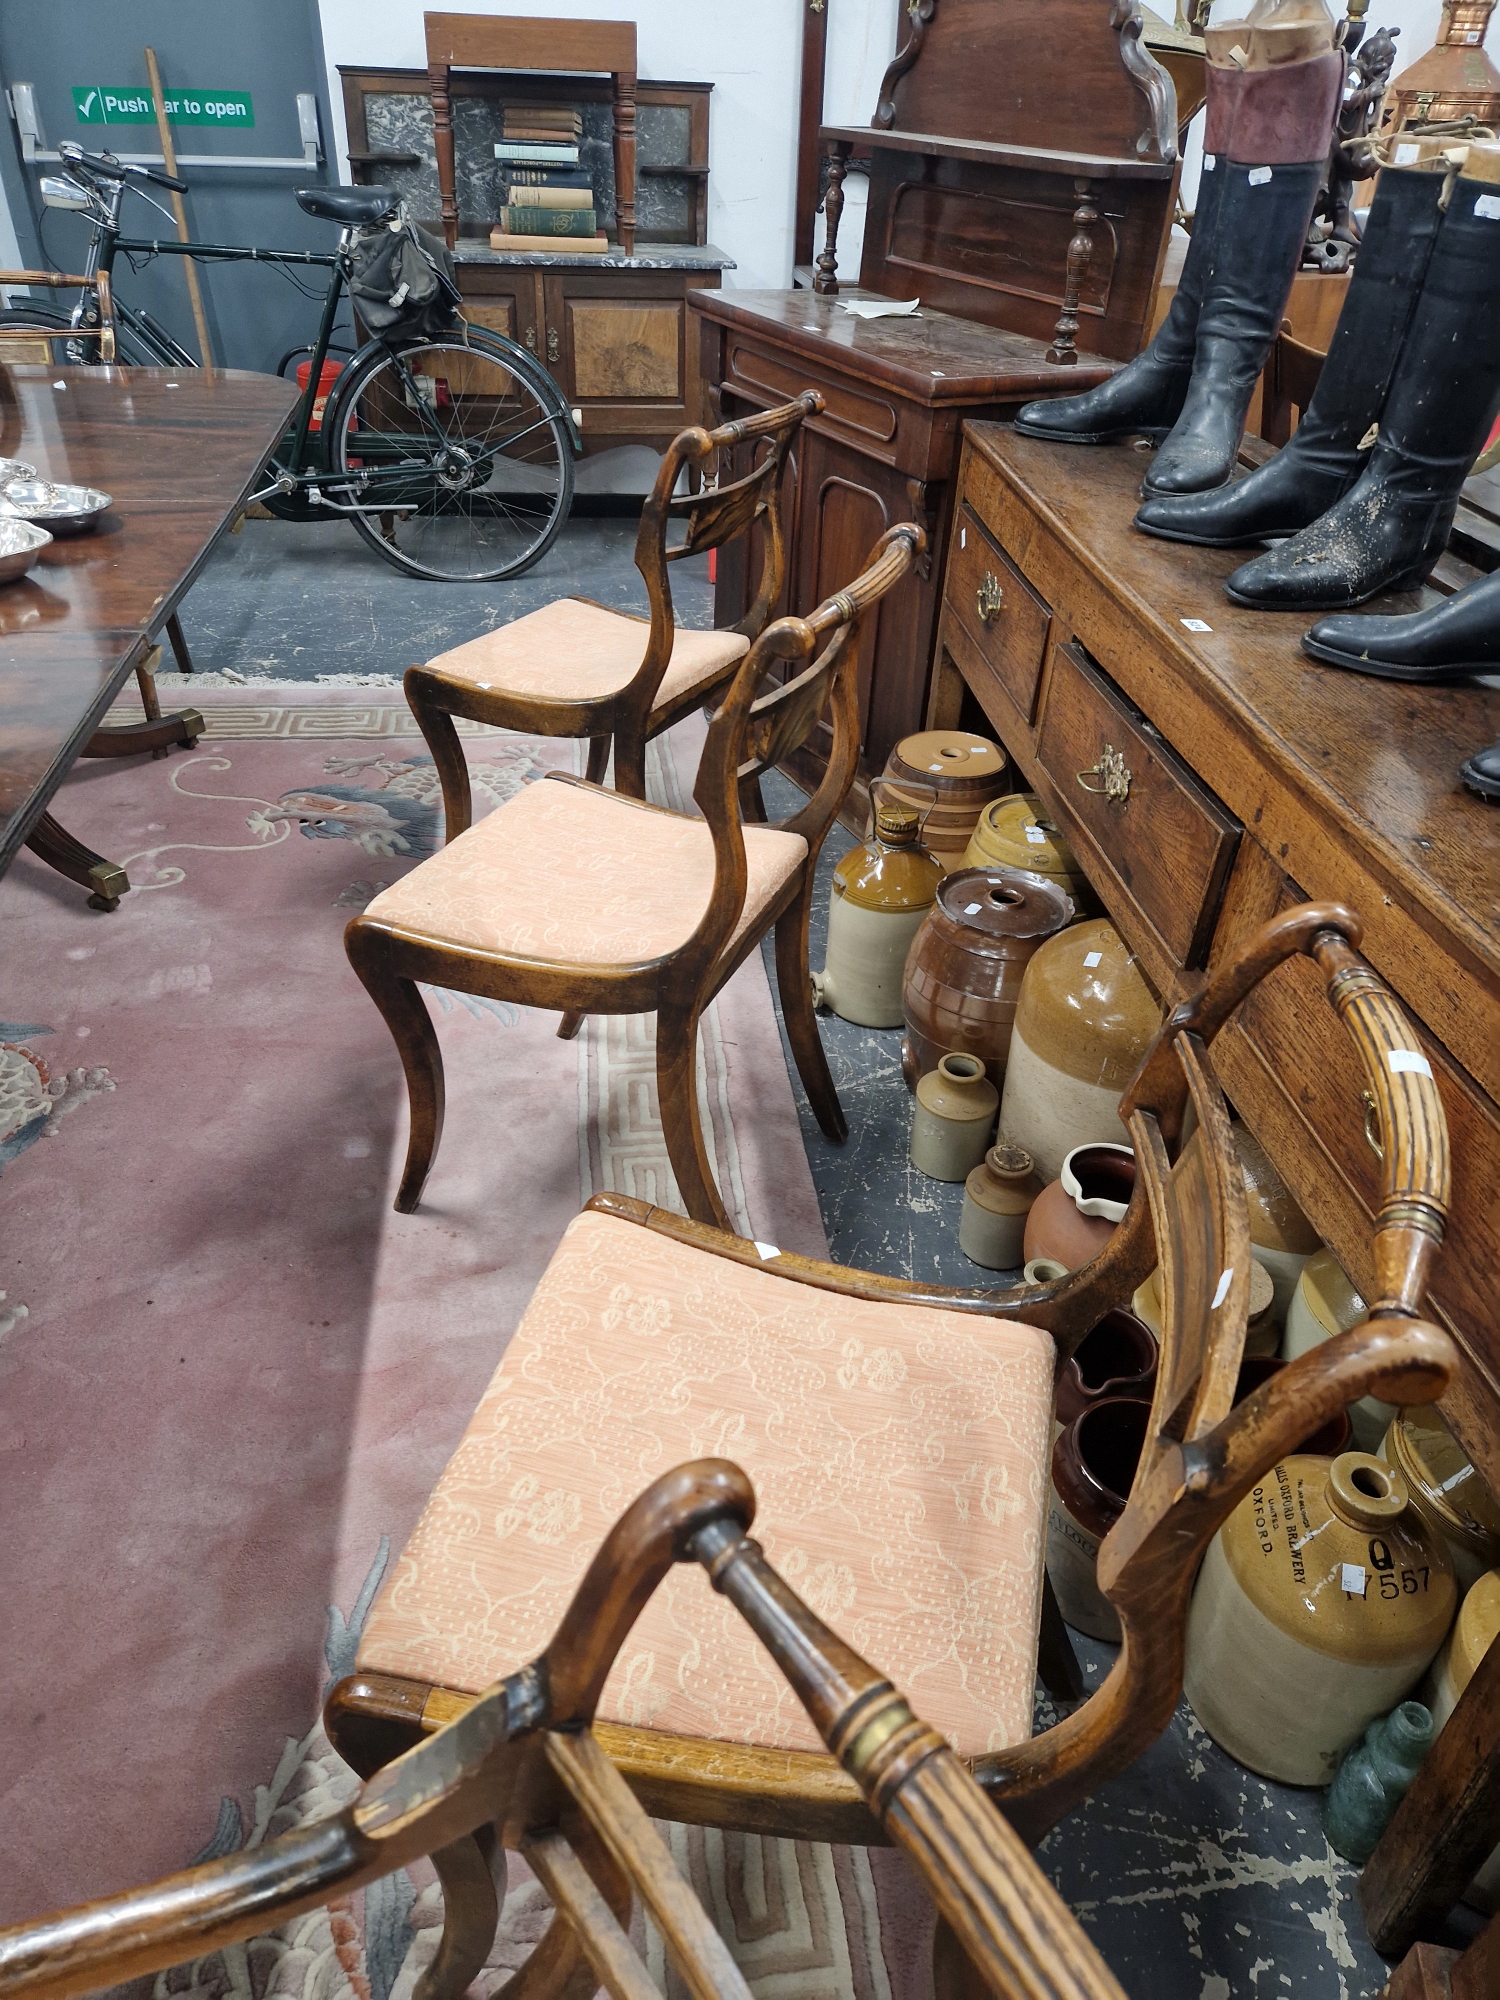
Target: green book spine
[[550, 221]]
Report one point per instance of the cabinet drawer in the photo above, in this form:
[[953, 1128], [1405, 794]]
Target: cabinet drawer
[[998, 609], [1131, 808]]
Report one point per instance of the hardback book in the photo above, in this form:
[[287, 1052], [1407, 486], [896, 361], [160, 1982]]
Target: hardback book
[[541, 135], [560, 117], [564, 246], [516, 194], [548, 222], [548, 177], [532, 153]]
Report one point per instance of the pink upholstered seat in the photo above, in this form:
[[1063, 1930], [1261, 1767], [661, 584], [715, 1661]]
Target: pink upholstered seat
[[572, 650], [574, 875], [899, 1454]]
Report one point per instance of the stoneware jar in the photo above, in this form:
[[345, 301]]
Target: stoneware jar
[[1475, 1630], [1094, 1461], [1075, 1217], [1015, 833], [1325, 1303], [953, 1119], [882, 890], [997, 1196], [1042, 1271], [1445, 1490], [964, 969], [1115, 1358], [951, 776], [1280, 1234], [1084, 1020], [1320, 1602], [1262, 1333]]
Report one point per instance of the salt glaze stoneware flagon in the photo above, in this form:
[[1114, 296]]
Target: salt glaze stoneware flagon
[[1094, 1462], [1014, 832], [1475, 1630], [967, 961], [950, 776], [953, 1119], [882, 890], [997, 1197], [1320, 1604], [1084, 1020], [1446, 1491], [1072, 1219], [1326, 1303]]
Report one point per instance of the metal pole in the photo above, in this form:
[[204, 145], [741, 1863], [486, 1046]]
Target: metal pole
[[169, 157]]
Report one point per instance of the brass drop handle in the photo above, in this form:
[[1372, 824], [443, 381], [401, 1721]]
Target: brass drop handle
[[531, 339], [1112, 772], [554, 346], [989, 598], [1372, 1124]]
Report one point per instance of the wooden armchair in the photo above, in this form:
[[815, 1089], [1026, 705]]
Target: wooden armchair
[[899, 1434], [522, 1770], [576, 668], [574, 897]]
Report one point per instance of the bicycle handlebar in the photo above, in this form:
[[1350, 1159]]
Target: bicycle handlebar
[[108, 168]]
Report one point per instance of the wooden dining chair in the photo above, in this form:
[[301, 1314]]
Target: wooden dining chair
[[578, 898], [899, 1434], [577, 668], [523, 1771]]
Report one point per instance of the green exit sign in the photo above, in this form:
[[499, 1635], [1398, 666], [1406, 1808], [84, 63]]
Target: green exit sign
[[93, 104]]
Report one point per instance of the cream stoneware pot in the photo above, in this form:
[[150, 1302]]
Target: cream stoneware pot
[[1325, 1303], [1445, 1490], [1014, 833], [1262, 1333], [953, 1118], [997, 1197], [1320, 1603], [1084, 1019], [1474, 1631], [882, 890], [1280, 1234]]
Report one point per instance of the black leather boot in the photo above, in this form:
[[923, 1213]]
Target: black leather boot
[[1451, 641], [1481, 772], [1392, 524], [1324, 456], [1263, 217], [1147, 395]]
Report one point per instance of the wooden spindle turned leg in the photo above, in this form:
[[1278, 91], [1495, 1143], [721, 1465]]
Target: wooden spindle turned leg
[[625, 160], [1064, 348], [442, 140], [826, 282]]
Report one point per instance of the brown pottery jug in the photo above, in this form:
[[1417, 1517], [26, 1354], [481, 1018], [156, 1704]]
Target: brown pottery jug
[[1094, 1462], [1117, 1357]]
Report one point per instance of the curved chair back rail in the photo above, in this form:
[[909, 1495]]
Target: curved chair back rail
[[522, 1765]]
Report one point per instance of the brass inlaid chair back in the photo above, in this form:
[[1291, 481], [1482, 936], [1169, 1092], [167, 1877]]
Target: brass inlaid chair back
[[523, 1771]]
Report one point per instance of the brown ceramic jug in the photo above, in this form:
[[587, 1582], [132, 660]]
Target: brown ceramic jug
[[1115, 1358], [1073, 1218], [949, 776], [1094, 1462], [964, 969]]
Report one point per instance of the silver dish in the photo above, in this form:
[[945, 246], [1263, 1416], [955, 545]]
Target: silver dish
[[67, 510], [21, 542]]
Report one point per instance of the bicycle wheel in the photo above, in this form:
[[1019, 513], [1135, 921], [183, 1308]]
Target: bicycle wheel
[[43, 335], [461, 461]]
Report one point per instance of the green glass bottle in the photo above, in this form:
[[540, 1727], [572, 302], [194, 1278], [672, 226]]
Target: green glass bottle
[[1373, 1779]]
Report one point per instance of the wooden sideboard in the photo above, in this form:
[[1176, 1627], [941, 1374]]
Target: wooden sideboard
[[1247, 777]]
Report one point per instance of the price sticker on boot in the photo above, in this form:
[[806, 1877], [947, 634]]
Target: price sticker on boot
[[1258, 176], [1210, 161], [1352, 1580], [1488, 206]]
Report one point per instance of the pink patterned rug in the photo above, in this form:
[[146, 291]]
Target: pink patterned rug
[[229, 1372]]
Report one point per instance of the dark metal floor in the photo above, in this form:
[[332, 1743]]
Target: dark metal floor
[[1198, 1880]]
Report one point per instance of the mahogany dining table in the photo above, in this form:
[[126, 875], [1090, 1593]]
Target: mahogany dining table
[[179, 451]]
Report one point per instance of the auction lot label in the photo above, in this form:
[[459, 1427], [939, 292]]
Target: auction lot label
[[93, 104]]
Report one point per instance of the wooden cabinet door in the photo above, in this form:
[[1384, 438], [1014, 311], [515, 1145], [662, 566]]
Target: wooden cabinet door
[[507, 302], [617, 345]]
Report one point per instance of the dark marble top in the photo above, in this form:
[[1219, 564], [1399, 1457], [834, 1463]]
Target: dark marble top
[[648, 257]]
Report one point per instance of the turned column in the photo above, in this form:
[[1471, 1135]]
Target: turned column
[[826, 280], [625, 160], [1064, 348], [442, 139]]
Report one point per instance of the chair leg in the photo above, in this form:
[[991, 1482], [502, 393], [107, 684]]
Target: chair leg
[[752, 805], [405, 1014], [598, 762], [677, 1092], [472, 1873], [436, 725], [570, 1023], [1056, 1661], [794, 981], [630, 765]]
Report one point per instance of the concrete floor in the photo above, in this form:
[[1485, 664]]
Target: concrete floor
[[1198, 1880]]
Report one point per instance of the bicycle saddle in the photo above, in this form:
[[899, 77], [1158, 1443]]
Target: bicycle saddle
[[350, 206]]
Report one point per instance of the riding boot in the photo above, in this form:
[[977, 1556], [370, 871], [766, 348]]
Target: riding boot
[[1327, 450], [1146, 395], [1392, 524], [1481, 772], [1452, 641]]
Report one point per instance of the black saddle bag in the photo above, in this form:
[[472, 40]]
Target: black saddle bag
[[403, 283]]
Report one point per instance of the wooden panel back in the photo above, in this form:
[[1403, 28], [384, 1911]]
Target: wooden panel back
[[515, 41]]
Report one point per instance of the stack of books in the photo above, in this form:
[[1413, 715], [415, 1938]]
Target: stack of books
[[547, 200]]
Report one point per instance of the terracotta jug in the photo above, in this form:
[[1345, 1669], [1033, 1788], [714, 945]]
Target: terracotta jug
[[953, 1119], [963, 772], [1115, 1358], [1319, 1605], [1262, 1334], [1094, 1461], [1015, 833], [1084, 1020], [1445, 1490], [882, 890], [1073, 1219], [1475, 1630], [997, 1196], [964, 969], [1325, 1303]]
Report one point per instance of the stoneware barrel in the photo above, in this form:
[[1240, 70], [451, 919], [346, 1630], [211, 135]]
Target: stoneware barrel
[[949, 776], [1015, 832]]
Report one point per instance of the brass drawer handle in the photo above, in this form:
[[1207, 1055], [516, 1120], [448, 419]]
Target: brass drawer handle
[[531, 339], [1372, 1124], [1112, 772], [553, 349], [989, 598]]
